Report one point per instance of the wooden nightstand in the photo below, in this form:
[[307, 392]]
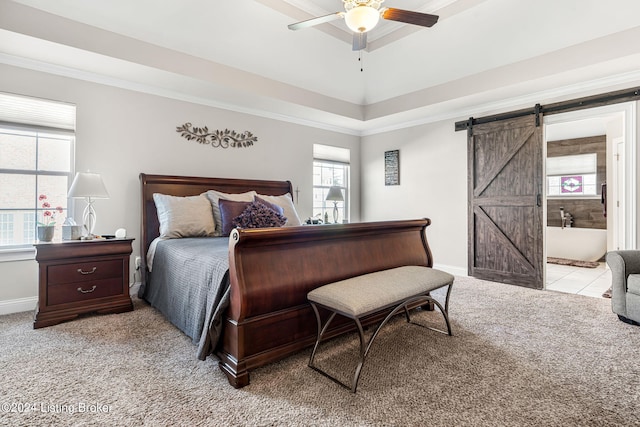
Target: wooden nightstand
[[82, 276]]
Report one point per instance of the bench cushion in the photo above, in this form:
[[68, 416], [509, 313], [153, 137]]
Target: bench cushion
[[368, 293]]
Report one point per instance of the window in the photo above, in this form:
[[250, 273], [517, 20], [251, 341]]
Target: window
[[6, 228], [29, 227], [36, 148], [330, 169], [570, 176]]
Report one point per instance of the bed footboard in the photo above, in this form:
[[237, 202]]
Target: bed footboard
[[272, 270]]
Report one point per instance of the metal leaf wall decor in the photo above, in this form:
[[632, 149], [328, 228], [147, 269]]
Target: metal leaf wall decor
[[217, 138]]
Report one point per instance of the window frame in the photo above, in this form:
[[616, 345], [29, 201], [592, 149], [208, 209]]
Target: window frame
[[569, 195], [26, 251], [559, 168], [327, 206]]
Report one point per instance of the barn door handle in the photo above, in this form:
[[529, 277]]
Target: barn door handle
[[538, 200]]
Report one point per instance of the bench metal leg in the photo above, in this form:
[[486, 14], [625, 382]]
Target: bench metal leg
[[444, 310], [445, 314], [364, 348], [321, 331]]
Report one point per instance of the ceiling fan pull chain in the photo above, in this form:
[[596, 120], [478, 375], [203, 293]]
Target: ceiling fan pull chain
[[361, 35]]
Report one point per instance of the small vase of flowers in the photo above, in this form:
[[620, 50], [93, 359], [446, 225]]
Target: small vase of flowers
[[46, 227]]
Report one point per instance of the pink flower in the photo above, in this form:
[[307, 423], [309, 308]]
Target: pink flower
[[49, 215]]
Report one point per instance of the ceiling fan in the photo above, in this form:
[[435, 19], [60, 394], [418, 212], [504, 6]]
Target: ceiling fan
[[362, 16]]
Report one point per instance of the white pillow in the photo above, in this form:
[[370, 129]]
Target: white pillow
[[285, 201], [214, 196], [189, 216]]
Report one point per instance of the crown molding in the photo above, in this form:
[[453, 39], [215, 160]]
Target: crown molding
[[447, 110]]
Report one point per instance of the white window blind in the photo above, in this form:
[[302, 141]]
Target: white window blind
[[577, 164], [17, 109], [333, 154]]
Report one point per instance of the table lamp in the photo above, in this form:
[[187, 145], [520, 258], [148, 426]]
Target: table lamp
[[335, 195], [88, 186]]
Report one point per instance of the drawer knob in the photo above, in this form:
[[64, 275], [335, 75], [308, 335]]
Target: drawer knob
[[87, 291], [87, 272]]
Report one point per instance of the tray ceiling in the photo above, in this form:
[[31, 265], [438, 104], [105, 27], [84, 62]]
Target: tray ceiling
[[481, 55]]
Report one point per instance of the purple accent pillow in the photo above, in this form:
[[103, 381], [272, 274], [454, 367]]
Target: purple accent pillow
[[273, 206], [259, 215], [229, 210]]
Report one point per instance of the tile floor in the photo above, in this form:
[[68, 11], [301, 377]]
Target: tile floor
[[578, 280]]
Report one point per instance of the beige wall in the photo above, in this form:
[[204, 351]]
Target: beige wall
[[433, 184], [122, 133]]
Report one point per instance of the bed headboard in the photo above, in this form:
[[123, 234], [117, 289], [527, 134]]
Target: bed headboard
[[191, 186]]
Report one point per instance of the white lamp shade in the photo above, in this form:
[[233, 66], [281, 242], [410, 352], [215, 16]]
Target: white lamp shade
[[361, 19], [88, 185], [335, 194]]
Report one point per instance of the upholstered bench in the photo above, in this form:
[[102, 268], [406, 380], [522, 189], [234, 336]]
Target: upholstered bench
[[360, 296]]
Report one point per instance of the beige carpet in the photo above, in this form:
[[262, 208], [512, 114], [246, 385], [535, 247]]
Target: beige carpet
[[519, 357]]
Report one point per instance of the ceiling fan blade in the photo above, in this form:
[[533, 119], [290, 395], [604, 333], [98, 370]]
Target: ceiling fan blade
[[315, 21], [359, 41], [409, 17]]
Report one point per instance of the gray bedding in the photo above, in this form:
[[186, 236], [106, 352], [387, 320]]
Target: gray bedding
[[189, 284]]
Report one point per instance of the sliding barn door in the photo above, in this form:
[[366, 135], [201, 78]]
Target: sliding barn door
[[505, 202]]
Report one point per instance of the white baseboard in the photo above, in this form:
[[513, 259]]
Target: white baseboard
[[456, 271], [18, 305], [134, 288]]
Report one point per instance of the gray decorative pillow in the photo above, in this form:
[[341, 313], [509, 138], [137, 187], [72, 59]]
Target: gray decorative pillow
[[214, 196], [259, 215], [285, 201], [189, 216], [269, 204]]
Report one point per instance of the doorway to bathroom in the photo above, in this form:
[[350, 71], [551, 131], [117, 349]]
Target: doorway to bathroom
[[590, 195], [506, 153]]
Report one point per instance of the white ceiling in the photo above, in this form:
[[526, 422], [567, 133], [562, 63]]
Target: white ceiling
[[482, 54]]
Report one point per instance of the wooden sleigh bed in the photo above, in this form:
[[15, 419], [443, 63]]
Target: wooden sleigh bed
[[271, 270]]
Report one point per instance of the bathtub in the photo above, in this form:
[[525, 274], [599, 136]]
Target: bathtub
[[583, 244]]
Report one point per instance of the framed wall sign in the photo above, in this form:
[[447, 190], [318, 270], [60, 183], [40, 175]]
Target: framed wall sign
[[392, 167]]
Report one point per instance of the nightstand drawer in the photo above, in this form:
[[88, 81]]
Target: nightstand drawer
[[73, 292], [83, 272]]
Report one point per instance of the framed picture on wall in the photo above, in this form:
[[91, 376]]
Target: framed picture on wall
[[392, 167]]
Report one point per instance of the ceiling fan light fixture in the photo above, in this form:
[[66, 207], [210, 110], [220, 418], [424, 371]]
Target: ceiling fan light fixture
[[361, 19]]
